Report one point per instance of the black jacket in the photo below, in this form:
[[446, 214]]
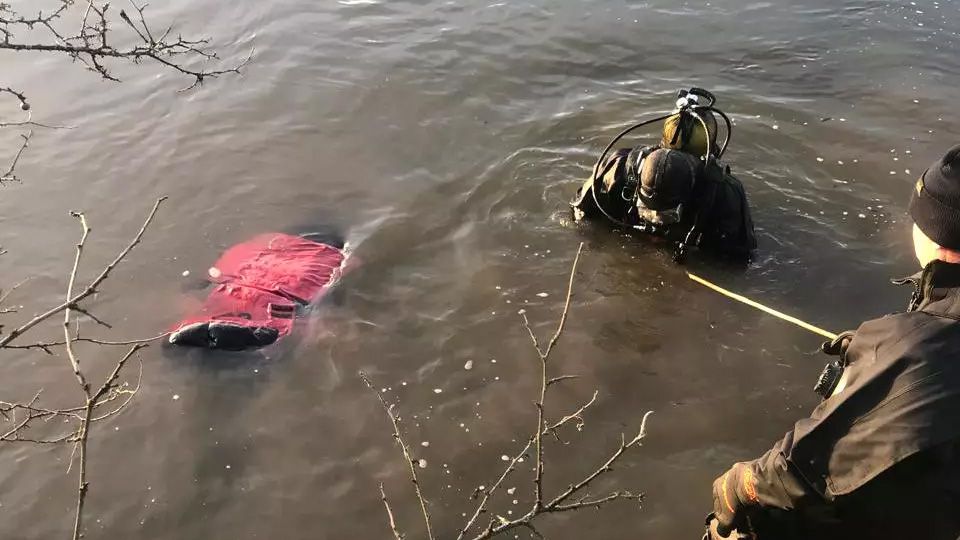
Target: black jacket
[[881, 458], [719, 206]]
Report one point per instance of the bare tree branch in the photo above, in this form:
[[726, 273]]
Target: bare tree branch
[[47, 346], [544, 383], [406, 454], [91, 43], [19, 95], [561, 378], [576, 415], [92, 317], [66, 312], [29, 122], [91, 46], [10, 175], [71, 302], [84, 433], [108, 399], [559, 503]]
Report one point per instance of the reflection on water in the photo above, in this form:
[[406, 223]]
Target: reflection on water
[[445, 139]]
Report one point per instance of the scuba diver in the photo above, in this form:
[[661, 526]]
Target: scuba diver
[[678, 189], [879, 457]]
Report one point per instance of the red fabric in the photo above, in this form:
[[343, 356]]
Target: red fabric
[[261, 281]]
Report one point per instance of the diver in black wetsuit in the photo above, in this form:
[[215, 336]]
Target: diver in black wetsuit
[[678, 189]]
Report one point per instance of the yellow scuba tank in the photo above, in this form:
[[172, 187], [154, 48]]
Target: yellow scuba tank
[[683, 131]]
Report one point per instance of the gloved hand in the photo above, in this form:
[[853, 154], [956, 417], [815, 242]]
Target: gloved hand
[[839, 346], [734, 496], [714, 534]]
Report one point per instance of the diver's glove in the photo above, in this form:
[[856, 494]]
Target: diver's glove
[[734, 497], [839, 345], [713, 534]]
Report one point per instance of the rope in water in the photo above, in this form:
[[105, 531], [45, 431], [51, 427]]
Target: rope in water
[[780, 315]]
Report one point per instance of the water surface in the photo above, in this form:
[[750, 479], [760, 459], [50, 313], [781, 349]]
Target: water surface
[[445, 138]]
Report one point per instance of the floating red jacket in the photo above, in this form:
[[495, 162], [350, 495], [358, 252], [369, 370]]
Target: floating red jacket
[[261, 287]]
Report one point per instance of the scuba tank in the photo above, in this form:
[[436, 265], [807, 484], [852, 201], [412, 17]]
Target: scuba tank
[[684, 131], [691, 127]]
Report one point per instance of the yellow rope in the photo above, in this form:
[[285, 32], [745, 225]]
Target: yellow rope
[[806, 326]]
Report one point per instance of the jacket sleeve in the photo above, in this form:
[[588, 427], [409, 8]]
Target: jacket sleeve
[[771, 481]]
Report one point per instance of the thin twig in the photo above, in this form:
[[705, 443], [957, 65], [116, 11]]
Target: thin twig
[[393, 523], [11, 290], [576, 415], [93, 318], [606, 467], [11, 91], [566, 305], [109, 382], [29, 122], [561, 378], [46, 346], [117, 392], [406, 453], [84, 385], [10, 175]]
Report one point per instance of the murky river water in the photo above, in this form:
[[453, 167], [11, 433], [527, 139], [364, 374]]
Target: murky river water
[[445, 138]]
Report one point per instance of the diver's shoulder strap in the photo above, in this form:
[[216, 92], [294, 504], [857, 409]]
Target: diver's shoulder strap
[[632, 166]]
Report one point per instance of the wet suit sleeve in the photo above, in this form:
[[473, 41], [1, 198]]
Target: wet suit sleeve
[[585, 204]]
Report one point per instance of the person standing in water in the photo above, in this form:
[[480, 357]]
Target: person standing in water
[[880, 456], [678, 189]]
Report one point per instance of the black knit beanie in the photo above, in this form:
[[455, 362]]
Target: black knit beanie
[[935, 203]]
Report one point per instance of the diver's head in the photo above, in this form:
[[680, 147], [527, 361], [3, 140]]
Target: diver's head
[[683, 131], [935, 210], [666, 185]]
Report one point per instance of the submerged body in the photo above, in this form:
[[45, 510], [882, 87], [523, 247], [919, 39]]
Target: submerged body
[[262, 286]]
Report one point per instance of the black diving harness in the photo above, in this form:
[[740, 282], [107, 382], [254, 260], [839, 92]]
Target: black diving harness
[[684, 129]]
